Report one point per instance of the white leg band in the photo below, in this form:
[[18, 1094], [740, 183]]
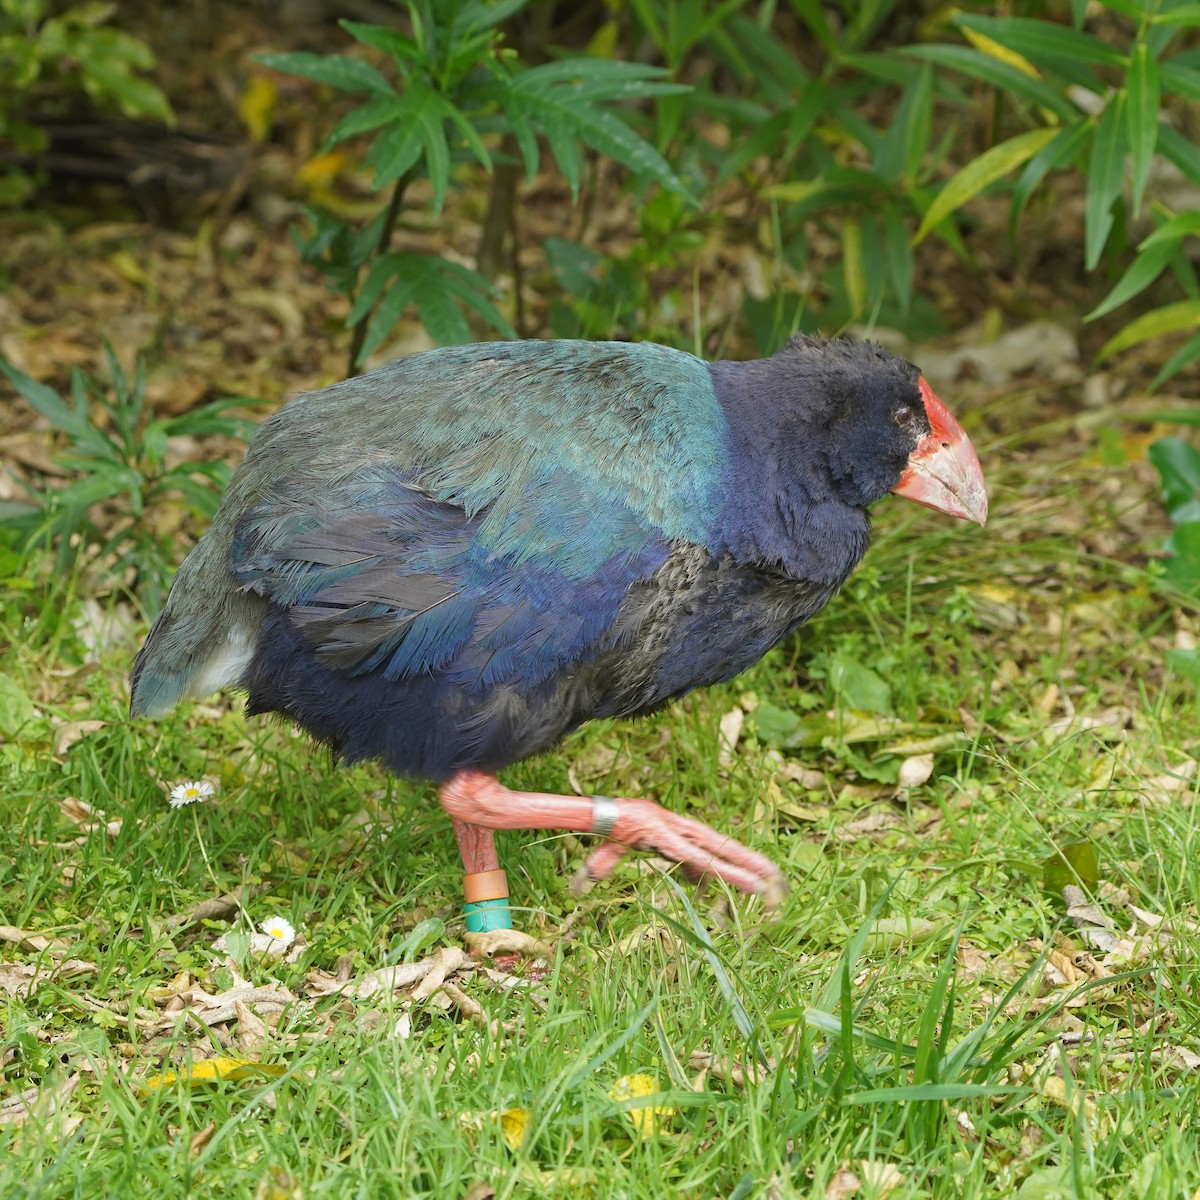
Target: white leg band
[[604, 815]]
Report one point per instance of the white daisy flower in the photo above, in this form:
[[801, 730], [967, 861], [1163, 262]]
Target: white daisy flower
[[280, 930], [191, 793]]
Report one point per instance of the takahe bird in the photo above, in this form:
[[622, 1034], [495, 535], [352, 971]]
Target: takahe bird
[[449, 563]]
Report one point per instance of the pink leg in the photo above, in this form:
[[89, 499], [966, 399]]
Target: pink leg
[[481, 800], [477, 847]]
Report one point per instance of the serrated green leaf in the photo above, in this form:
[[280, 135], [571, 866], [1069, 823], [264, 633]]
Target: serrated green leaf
[[437, 149], [1178, 465], [391, 307], [1104, 178], [1171, 318], [401, 48], [336, 70], [989, 167], [566, 122], [376, 111], [398, 148], [1141, 114]]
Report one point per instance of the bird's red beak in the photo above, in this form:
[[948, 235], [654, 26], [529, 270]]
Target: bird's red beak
[[943, 472]]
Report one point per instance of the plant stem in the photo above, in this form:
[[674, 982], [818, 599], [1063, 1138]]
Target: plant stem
[[385, 240]]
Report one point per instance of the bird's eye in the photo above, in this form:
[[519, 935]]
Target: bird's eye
[[902, 416]]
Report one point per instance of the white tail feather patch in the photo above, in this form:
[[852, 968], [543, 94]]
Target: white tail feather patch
[[224, 669]]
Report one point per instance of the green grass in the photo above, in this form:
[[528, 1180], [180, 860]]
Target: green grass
[[902, 994]]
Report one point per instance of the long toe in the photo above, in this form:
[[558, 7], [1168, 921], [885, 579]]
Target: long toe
[[700, 849]]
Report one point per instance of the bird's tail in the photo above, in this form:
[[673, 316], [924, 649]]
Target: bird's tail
[[202, 640]]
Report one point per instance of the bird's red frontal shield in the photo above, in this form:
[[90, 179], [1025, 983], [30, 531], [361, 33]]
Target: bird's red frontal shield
[[943, 472]]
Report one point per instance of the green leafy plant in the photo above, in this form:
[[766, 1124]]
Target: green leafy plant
[[44, 57], [451, 84], [1178, 464], [1094, 104], [117, 455]]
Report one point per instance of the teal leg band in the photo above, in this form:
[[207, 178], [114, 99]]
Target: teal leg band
[[486, 915]]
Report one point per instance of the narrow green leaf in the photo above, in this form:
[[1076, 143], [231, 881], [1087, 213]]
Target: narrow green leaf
[[990, 166], [1058, 152], [1171, 318], [1104, 178], [1001, 75], [905, 143], [899, 254], [812, 13], [1142, 272], [1179, 79], [1174, 230], [1043, 41], [1181, 151], [1141, 113], [337, 70], [1181, 15], [1187, 354], [852, 266]]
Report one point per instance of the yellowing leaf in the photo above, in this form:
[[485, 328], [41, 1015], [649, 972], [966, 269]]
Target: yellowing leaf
[[1171, 318], [321, 171], [514, 1126], [213, 1070], [993, 49], [647, 1119], [993, 164], [256, 107]]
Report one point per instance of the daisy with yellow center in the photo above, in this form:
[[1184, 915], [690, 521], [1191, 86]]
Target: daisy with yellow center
[[191, 792], [279, 930]]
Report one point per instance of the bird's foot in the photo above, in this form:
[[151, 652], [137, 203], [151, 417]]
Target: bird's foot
[[698, 848], [627, 824]]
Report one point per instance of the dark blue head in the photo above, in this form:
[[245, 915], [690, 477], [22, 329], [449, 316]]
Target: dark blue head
[[823, 429]]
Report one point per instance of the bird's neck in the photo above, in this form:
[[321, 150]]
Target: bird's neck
[[781, 508]]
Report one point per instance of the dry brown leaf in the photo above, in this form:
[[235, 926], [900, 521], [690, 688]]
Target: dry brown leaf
[[386, 979], [209, 910], [29, 941], [446, 960], [506, 941], [884, 1177], [972, 962], [251, 1029], [844, 1183], [201, 1138], [729, 1069], [727, 736], [915, 770], [37, 1104], [67, 733]]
